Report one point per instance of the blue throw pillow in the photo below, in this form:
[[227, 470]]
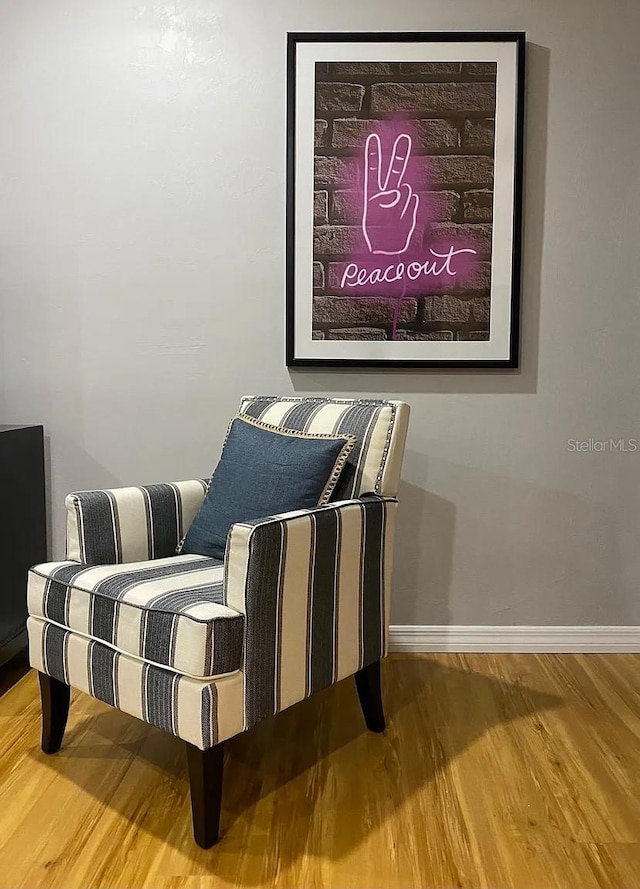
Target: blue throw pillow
[[262, 471]]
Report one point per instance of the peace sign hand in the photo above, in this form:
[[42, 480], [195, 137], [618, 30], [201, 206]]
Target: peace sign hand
[[391, 207]]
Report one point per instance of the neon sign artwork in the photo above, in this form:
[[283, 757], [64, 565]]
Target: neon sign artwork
[[403, 202], [399, 256]]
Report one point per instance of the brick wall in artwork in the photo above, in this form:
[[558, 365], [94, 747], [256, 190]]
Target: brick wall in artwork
[[452, 106]]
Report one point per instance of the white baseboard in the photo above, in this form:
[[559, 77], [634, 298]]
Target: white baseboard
[[514, 639]]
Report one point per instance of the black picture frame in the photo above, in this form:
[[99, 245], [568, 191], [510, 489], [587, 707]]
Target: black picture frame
[[509, 358]]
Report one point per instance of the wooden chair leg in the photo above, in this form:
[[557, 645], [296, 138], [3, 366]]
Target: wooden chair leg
[[55, 697], [370, 694], [205, 779]]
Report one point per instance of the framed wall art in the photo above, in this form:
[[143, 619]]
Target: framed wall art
[[404, 178]]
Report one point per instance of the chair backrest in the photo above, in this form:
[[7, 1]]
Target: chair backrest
[[380, 428]]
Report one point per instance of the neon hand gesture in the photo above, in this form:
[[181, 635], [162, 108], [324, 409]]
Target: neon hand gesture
[[391, 207]]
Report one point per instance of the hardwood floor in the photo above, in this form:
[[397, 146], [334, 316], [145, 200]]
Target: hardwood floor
[[495, 771]]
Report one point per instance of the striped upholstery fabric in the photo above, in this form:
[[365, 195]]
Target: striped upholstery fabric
[[380, 427], [169, 612], [314, 588], [200, 712], [205, 650], [130, 524]]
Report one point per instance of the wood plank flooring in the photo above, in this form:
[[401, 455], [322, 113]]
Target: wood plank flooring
[[496, 771]]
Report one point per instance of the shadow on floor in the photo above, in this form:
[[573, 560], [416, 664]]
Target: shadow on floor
[[276, 774]]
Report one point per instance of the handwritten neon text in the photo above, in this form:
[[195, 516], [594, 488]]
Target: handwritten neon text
[[355, 276]]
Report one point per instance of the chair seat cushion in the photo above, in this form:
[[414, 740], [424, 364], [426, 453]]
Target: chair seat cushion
[[169, 612]]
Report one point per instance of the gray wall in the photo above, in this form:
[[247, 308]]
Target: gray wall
[[142, 156]]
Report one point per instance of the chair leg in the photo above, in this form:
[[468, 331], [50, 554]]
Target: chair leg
[[55, 697], [370, 694], [205, 779]]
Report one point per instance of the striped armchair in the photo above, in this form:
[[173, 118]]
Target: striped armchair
[[205, 649]]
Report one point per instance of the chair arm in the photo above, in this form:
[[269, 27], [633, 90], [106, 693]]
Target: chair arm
[[130, 524], [314, 586]]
